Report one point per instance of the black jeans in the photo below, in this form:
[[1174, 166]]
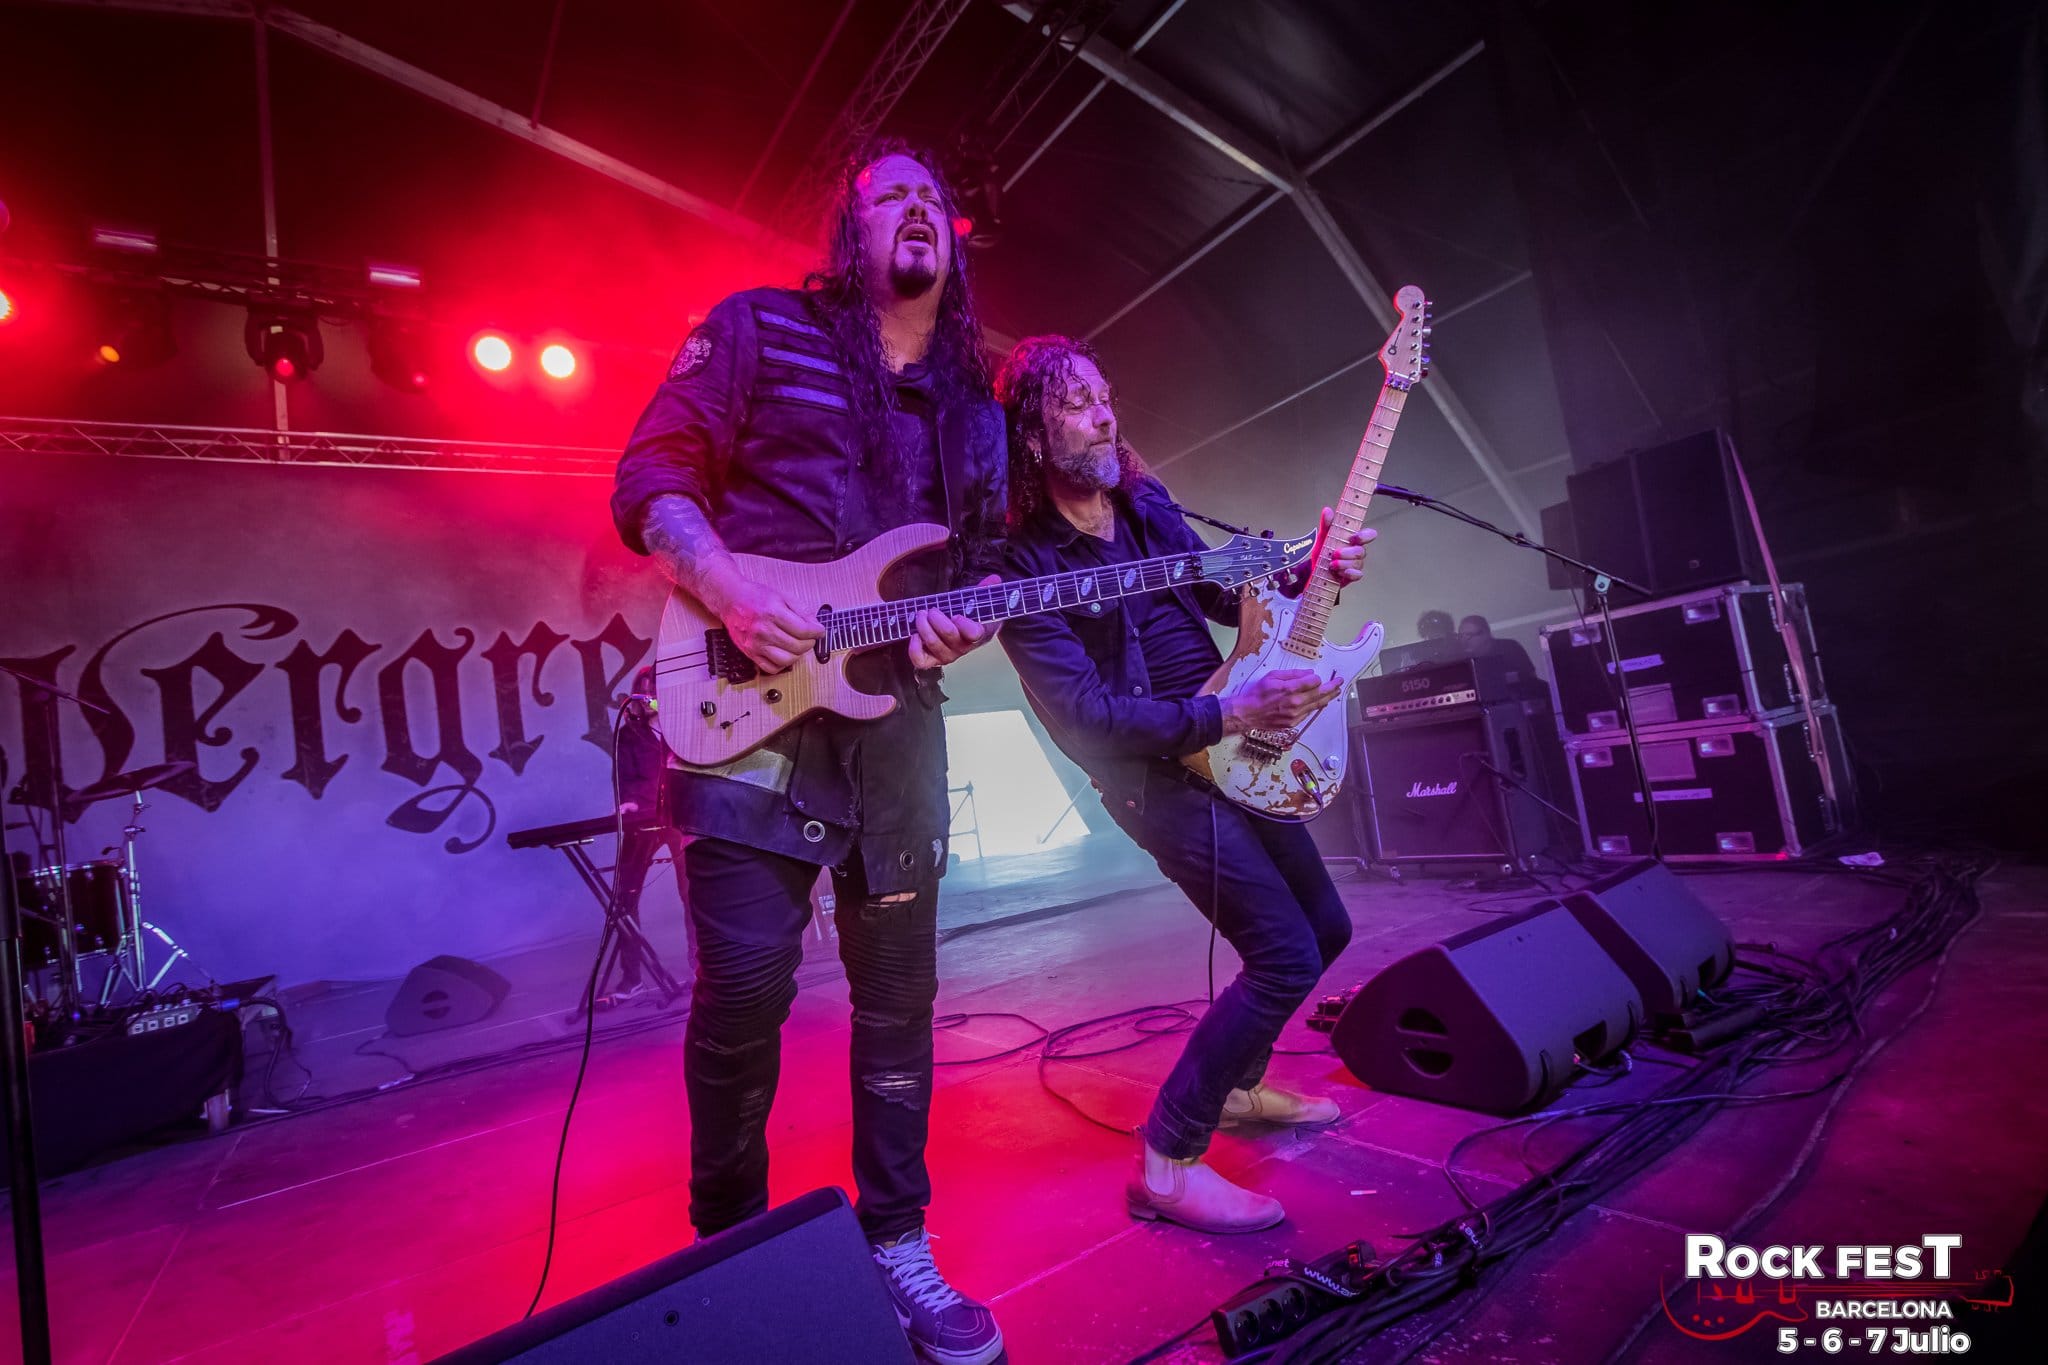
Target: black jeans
[[1274, 904], [749, 908]]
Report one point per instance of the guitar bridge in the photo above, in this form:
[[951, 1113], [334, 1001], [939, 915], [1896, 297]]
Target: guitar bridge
[[1268, 744], [727, 661]]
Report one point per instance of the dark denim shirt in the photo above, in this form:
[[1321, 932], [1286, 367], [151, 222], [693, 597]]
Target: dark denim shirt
[[754, 423], [1083, 669]]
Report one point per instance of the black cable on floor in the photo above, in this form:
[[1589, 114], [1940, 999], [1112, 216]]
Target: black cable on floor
[[1814, 1011]]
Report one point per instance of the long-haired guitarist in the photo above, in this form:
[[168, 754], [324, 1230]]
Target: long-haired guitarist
[[801, 424], [1115, 684]]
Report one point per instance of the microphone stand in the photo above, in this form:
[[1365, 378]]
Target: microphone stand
[[31, 1281], [1602, 582]]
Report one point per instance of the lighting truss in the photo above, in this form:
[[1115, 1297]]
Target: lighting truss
[[916, 38], [249, 445], [238, 277]]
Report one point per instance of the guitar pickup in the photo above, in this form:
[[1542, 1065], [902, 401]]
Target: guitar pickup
[[728, 662]]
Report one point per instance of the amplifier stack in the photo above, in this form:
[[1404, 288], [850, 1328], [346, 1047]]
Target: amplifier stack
[[1725, 732], [1456, 762]]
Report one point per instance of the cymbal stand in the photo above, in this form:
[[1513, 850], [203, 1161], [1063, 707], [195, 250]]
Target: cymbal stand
[[70, 974], [129, 955], [43, 693]]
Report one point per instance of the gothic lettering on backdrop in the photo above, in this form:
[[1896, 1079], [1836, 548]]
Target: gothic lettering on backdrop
[[421, 681]]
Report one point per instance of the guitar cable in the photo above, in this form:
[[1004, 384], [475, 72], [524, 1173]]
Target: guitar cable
[[605, 941]]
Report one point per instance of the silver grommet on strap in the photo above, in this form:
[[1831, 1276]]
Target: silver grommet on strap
[[905, 861], [814, 832]]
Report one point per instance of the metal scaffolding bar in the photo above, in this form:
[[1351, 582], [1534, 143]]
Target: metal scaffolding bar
[[1271, 165], [254, 445], [1253, 153], [511, 121], [1102, 84], [1379, 299], [924, 26]]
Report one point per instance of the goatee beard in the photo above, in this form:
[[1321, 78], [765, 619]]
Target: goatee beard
[[1092, 470], [913, 278]]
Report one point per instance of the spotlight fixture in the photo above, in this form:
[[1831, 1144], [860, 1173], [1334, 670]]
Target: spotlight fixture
[[390, 276], [978, 212], [6, 308], [401, 355], [134, 241], [133, 330], [287, 345], [492, 352], [558, 361]]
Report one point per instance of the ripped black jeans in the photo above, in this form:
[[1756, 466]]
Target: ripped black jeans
[[749, 908]]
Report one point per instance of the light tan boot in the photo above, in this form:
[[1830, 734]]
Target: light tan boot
[[1266, 1104], [1189, 1193]]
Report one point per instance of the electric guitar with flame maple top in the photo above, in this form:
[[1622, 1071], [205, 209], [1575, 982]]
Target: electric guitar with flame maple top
[[716, 705], [1293, 774]]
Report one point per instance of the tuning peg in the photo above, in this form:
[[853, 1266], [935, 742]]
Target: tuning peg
[[1425, 329]]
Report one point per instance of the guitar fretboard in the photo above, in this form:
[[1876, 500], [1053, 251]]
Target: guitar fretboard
[[1319, 595], [879, 623]]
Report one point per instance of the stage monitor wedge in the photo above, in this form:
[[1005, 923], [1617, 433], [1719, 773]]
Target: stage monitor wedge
[[444, 992], [793, 1286], [1496, 1019], [1657, 931]]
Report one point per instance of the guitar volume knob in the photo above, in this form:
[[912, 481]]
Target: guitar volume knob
[[707, 709]]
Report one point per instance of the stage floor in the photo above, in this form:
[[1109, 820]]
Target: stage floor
[[403, 1225]]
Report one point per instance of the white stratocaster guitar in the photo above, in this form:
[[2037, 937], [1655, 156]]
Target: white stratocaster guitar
[[716, 706], [1293, 774]]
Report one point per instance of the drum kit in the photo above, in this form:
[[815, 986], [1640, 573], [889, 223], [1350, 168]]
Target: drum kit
[[74, 914]]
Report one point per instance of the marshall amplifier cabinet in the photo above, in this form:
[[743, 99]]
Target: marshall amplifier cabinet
[[1714, 655], [1430, 687], [1434, 788], [1724, 792]]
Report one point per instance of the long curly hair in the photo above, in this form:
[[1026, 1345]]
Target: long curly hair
[[1040, 367], [954, 357]]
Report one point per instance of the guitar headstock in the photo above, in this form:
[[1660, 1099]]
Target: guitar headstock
[[1405, 357], [1244, 559]]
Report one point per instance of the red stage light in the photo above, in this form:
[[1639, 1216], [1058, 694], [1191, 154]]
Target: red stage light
[[559, 361], [963, 228], [6, 307], [282, 369], [108, 353], [492, 352]]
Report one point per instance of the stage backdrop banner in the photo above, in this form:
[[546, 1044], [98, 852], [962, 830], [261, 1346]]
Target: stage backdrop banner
[[378, 673]]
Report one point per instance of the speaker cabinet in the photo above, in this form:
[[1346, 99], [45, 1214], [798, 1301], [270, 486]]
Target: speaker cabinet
[[1670, 518], [1434, 792], [1561, 534], [1496, 1019], [1656, 930], [792, 1286], [444, 992]]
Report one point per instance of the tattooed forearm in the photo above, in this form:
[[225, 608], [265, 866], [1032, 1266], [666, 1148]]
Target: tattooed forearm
[[681, 539]]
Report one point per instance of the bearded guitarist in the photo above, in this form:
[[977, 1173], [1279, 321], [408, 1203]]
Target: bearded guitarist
[[1116, 685], [802, 424]]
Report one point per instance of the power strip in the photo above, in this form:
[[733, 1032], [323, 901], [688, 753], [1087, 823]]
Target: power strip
[[1289, 1296], [1267, 1312], [163, 1017]]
